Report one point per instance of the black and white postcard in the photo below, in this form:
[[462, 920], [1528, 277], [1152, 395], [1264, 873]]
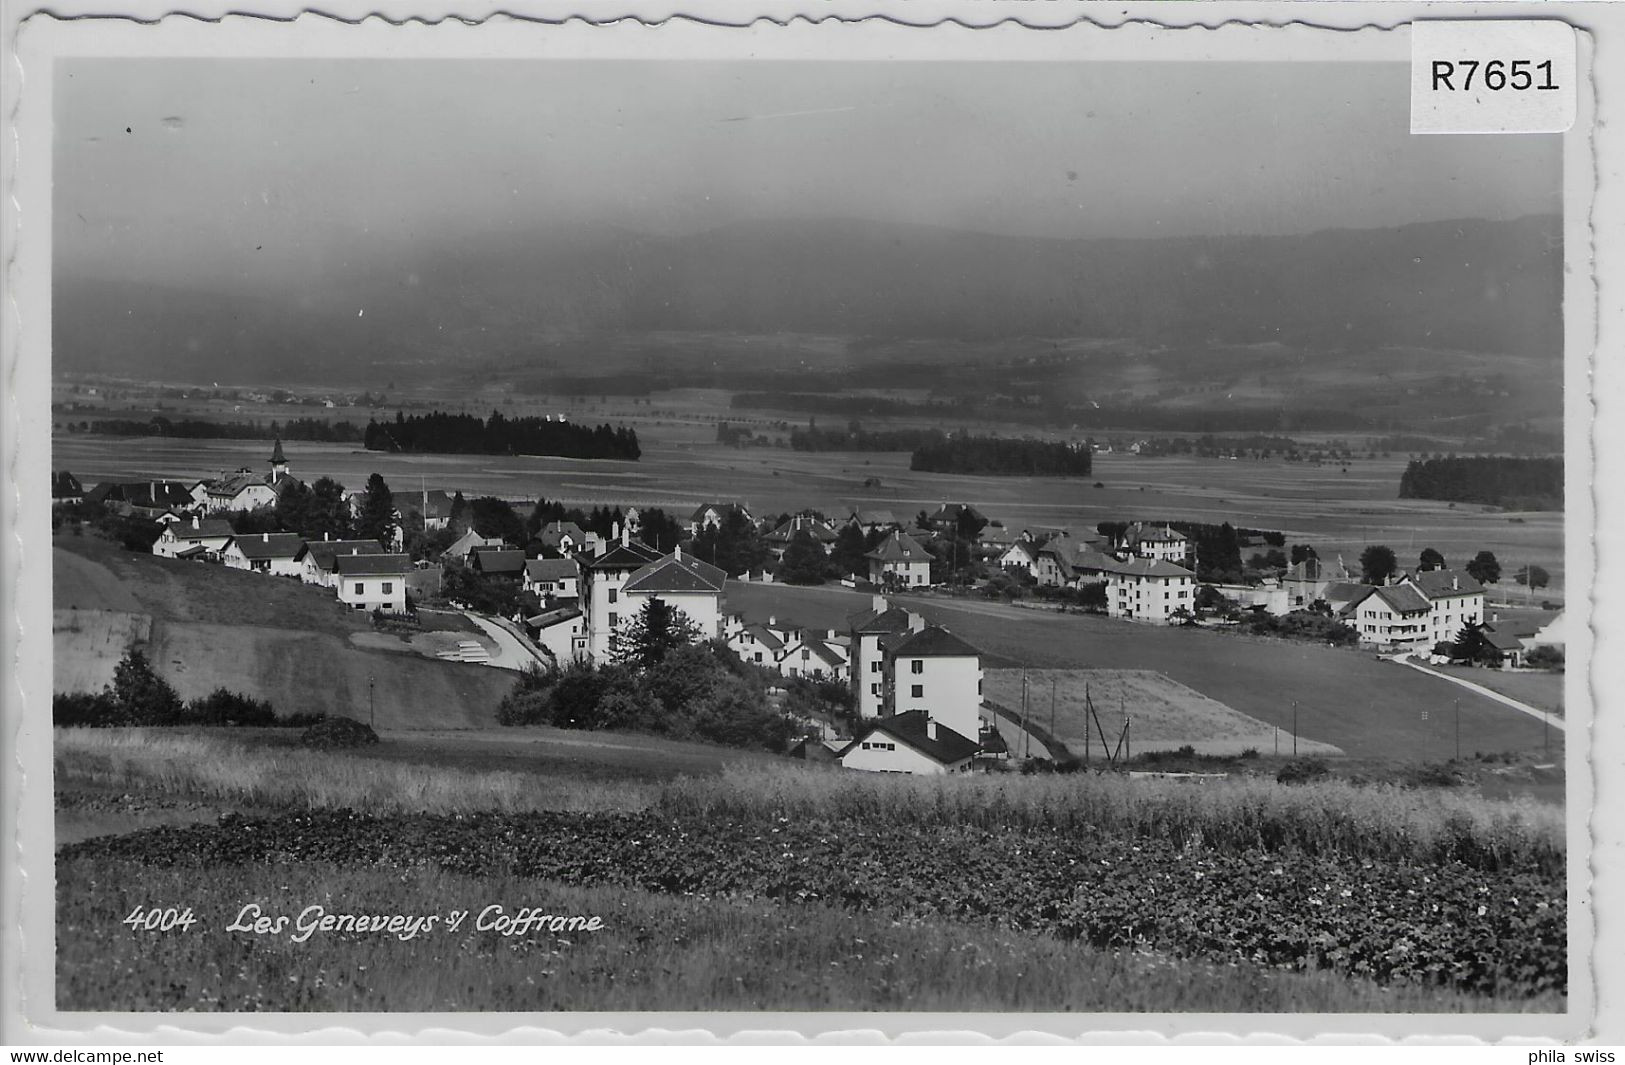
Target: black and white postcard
[[807, 525]]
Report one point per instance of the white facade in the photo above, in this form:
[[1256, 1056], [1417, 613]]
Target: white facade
[[1380, 624], [180, 537], [883, 753], [563, 637], [386, 592], [1149, 597], [948, 689], [910, 573]]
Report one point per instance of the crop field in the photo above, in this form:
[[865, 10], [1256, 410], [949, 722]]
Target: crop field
[[682, 466], [1165, 714], [1541, 690], [965, 879], [1349, 699]]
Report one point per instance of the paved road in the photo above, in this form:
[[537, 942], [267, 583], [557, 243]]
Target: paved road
[[1523, 708], [513, 651]]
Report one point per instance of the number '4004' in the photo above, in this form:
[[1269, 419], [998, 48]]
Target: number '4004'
[[157, 919], [1494, 75]]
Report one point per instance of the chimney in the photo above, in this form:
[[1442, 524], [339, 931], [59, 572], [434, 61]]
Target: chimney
[[194, 521], [1455, 583], [931, 728], [265, 537], [916, 623], [625, 536], [325, 536], [678, 553], [772, 620], [878, 604]]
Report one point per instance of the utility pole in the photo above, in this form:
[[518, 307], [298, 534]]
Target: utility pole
[[1052, 683], [1026, 725], [372, 713], [1277, 740], [1457, 703], [1294, 728]]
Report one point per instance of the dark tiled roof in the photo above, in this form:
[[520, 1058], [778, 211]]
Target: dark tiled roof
[[822, 650], [551, 569], [874, 517], [1148, 567], [677, 574], [1401, 598], [630, 555], [373, 565], [549, 618], [269, 545], [1503, 639], [1346, 590], [934, 642], [900, 547], [913, 729], [504, 560], [324, 552], [1140, 533], [765, 636], [1444, 584], [892, 619], [207, 529]]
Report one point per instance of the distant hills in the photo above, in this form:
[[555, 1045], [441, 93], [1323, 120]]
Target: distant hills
[[495, 300]]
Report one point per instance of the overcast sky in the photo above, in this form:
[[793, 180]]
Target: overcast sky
[[279, 171]]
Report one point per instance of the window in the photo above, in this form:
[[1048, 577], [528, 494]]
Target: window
[[805, 654], [389, 588], [874, 667], [918, 691], [614, 594], [360, 589], [917, 666], [874, 689], [614, 619]]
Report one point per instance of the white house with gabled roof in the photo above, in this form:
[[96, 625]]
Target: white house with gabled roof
[[373, 582]]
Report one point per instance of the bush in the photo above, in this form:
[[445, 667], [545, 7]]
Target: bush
[[83, 710], [1545, 657], [225, 707], [338, 731], [1301, 771]]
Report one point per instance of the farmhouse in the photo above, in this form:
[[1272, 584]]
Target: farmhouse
[[1145, 589], [899, 559], [935, 672], [1395, 616], [1020, 557], [868, 659], [373, 582], [200, 538], [65, 488], [141, 499], [1454, 600], [908, 743], [318, 559], [557, 577], [273, 553]]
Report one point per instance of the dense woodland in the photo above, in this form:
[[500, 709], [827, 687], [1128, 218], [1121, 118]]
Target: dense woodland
[[464, 434], [993, 454], [856, 438], [1514, 483]]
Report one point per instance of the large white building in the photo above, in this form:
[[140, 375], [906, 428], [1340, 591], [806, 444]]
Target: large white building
[[1455, 600], [936, 672], [1143, 589], [318, 559], [245, 489], [867, 657], [1393, 616], [616, 585], [900, 559]]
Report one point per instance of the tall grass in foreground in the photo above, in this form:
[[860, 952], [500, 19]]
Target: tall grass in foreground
[[233, 772], [1327, 817], [655, 952]]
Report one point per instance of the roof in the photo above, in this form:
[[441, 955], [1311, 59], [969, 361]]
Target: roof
[[900, 547], [765, 636], [892, 619], [874, 517], [554, 531], [1140, 533], [325, 552], [933, 641], [677, 573], [276, 452], [436, 503], [149, 495], [1148, 567], [548, 618], [1345, 590], [912, 728], [269, 545], [1400, 598], [1445, 584], [64, 484], [820, 649], [953, 511], [722, 510], [630, 555], [233, 484], [551, 569], [207, 529], [372, 565], [993, 742], [1503, 639], [509, 560], [1310, 569], [191, 552], [1025, 547], [815, 528]]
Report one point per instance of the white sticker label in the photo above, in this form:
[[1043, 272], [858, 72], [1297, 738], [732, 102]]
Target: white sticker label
[[1493, 76]]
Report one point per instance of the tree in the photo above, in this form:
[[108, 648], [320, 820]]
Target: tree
[[141, 696], [804, 560], [1532, 577], [1483, 568], [295, 506], [459, 513], [1430, 560], [659, 530], [490, 516], [850, 547], [329, 513], [1471, 645], [376, 518], [653, 632], [1377, 564]]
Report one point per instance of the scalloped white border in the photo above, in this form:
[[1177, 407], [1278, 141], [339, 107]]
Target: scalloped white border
[[889, 30]]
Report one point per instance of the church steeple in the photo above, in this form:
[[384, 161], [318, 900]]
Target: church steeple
[[279, 462]]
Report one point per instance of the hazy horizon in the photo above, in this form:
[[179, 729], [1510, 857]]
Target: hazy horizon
[[294, 175]]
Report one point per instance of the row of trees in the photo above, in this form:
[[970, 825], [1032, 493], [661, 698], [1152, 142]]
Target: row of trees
[[995, 454], [499, 435], [318, 429], [856, 438], [1515, 483]]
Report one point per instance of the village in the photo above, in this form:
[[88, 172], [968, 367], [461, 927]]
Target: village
[[567, 594]]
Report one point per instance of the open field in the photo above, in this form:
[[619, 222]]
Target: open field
[[1339, 513], [272, 638], [654, 952], [1541, 690], [88, 644], [1165, 714], [1349, 699]]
